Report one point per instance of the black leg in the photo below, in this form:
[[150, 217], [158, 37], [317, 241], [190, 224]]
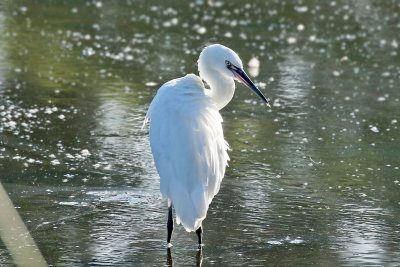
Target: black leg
[[199, 233], [170, 263], [170, 224], [199, 257]]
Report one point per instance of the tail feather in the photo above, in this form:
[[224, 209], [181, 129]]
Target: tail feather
[[190, 208]]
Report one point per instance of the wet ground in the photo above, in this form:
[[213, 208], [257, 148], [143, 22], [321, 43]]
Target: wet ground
[[313, 181]]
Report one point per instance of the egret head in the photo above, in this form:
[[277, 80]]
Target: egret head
[[219, 59], [215, 57]]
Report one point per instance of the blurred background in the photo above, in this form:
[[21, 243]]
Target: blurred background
[[313, 181]]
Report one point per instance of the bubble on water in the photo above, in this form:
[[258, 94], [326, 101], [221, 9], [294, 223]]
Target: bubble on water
[[174, 21], [201, 30], [301, 9], [228, 35], [274, 242], [296, 241], [312, 38], [88, 51], [151, 84], [254, 72], [336, 73], [291, 40], [276, 103], [85, 153], [96, 26], [254, 63], [55, 162], [98, 4], [11, 124], [72, 203], [96, 166], [374, 129], [286, 240], [23, 9], [261, 85], [300, 27], [167, 24]]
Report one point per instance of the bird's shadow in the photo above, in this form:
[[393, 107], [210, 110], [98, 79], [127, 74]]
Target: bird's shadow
[[199, 258]]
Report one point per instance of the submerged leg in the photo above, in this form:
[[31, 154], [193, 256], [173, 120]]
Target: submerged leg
[[199, 234], [170, 262], [199, 257], [170, 224]]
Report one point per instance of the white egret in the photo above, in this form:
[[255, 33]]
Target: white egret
[[186, 137]]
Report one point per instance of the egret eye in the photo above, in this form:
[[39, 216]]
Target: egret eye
[[228, 63]]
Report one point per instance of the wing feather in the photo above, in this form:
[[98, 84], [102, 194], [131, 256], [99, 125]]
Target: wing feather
[[189, 149]]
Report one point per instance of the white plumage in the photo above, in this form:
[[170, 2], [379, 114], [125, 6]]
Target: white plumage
[[186, 137], [188, 147]]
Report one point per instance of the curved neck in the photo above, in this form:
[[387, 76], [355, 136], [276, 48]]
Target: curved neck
[[221, 89]]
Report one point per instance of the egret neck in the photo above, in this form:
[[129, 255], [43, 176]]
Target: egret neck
[[221, 89]]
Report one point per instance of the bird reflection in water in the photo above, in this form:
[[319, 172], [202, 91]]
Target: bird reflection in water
[[199, 258]]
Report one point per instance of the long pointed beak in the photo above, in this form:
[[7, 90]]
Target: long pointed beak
[[243, 78]]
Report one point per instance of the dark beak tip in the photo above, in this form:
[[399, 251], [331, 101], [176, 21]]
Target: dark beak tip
[[242, 77]]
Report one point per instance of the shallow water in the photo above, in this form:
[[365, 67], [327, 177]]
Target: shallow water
[[313, 181]]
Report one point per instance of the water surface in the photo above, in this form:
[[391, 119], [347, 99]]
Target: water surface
[[313, 181]]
